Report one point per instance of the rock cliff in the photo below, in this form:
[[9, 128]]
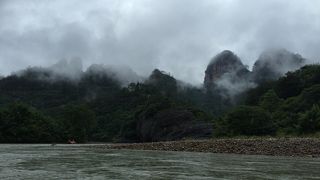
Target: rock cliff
[[224, 63]]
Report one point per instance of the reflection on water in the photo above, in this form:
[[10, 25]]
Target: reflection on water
[[94, 162]]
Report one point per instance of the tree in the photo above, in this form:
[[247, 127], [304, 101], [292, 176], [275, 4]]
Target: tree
[[22, 123], [165, 84], [252, 96], [78, 121], [246, 120], [270, 101], [310, 120], [295, 82]]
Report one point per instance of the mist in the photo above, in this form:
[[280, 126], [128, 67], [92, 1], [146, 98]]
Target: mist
[[178, 36], [230, 86]]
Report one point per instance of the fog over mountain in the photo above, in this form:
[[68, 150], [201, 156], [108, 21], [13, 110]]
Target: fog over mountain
[[227, 73], [178, 36]]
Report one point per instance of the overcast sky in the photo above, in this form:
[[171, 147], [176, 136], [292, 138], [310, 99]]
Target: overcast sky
[[178, 36]]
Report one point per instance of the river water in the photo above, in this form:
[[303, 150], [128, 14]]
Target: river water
[[95, 162]]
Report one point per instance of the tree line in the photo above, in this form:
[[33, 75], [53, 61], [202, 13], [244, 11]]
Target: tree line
[[99, 108]]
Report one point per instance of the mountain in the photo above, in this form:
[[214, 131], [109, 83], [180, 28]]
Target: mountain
[[51, 105], [227, 74], [273, 64], [67, 107], [224, 63]]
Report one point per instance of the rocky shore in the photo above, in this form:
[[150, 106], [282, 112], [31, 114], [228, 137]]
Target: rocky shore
[[257, 146]]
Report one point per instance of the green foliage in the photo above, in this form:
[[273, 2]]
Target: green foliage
[[289, 86], [270, 101], [78, 121], [252, 96], [20, 123], [97, 108], [164, 83], [245, 120], [295, 82], [117, 126], [309, 121], [289, 99]]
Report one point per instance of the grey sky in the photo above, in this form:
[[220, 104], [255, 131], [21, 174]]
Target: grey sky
[[178, 36]]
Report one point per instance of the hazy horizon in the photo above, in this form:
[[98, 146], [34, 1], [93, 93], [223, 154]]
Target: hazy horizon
[[177, 36]]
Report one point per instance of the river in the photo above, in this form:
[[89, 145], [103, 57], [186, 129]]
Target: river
[[94, 162]]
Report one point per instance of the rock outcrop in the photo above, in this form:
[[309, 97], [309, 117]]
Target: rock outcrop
[[224, 63], [227, 76]]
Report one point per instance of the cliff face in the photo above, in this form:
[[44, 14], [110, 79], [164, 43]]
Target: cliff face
[[273, 64], [224, 63]]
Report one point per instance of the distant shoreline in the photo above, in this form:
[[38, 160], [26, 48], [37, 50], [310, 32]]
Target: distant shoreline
[[299, 147]]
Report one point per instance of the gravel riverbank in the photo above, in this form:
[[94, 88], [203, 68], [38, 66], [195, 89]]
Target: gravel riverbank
[[258, 146]]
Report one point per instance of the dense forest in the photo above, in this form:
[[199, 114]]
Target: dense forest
[[41, 105]]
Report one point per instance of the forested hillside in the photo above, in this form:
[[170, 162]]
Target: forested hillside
[[287, 106], [96, 108], [39, 105]]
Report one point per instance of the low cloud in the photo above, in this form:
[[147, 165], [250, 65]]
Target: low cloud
[[179, 36]]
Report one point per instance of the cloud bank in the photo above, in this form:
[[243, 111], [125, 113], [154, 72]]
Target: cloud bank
[[179, 36]]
